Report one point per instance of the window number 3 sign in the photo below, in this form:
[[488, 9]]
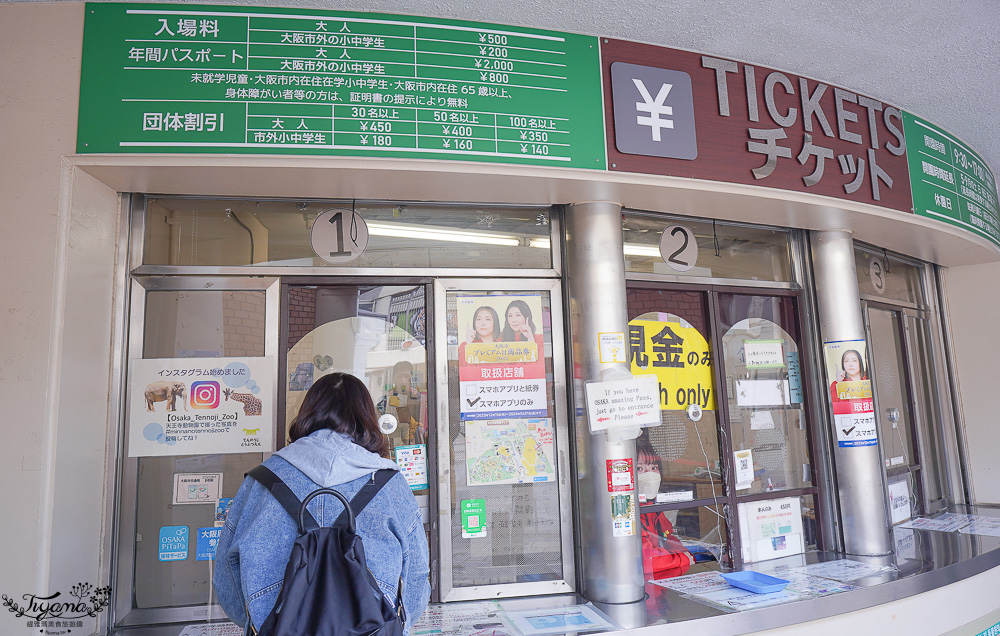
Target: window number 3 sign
[[339, 236], [679, 248]]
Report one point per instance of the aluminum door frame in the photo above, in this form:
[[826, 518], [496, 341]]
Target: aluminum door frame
[[561, 426], [124, 613]]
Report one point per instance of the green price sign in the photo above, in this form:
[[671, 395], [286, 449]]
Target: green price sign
[[950, 181], [265, 80], [473, 518]]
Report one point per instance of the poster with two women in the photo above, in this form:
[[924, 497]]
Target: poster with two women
[[501, 357]]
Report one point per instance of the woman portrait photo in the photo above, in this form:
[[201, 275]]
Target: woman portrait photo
[[852, 367], [485, 326], [518, 326]]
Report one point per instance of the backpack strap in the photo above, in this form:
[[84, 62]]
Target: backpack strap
[[280, 491], [367, 492]]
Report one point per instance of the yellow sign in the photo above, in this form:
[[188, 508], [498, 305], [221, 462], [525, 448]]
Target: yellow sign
[[500, 352], [679, 357], [854, 390]]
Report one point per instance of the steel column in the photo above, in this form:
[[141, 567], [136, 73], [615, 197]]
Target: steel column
[[861, 484], [595, 299]]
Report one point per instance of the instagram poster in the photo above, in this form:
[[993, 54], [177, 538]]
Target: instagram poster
[[198, 406]]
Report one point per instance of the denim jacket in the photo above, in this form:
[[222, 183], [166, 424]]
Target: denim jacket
[[257, 539]]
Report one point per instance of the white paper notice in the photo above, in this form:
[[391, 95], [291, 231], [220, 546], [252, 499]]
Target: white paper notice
[[761, 392], [695, 583], [761, 420], [763, 354], [195, 488], [744, 468], [741, 600], [844, 570], [899, 499], [612, 345], [633, 402], [773, 528]]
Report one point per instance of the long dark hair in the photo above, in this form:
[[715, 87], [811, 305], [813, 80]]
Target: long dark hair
[[861, 363], [508, 334], [341, 403], [496, 323]]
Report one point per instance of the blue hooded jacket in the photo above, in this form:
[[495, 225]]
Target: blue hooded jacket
[[257, 538]]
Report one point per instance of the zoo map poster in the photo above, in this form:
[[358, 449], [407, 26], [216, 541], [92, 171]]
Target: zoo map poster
[[198, 406], [516, 451]]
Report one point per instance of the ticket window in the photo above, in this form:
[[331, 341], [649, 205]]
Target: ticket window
[[733, 436], [911, 391], [377, 333], [502, 456], [679, 476], [173, 495]]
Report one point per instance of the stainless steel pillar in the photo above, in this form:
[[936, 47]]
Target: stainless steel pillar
[[595, 289], [860, 476]]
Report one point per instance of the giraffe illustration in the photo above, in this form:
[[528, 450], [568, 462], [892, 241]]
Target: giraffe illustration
[[251, 404]]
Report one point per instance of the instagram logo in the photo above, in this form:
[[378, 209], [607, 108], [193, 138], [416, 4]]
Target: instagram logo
[[204, 395]]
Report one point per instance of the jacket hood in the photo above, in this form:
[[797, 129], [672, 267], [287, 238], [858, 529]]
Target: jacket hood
[[330, 458]]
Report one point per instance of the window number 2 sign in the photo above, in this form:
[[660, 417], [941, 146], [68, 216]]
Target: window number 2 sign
[[339, 236], [679, 248]]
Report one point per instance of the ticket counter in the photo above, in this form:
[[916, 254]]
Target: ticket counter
[[472, 373], [758, 261]]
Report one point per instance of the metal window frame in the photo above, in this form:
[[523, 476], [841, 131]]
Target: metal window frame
[[432, 436], [137, 267], [729, 499], [941, 367], [915, 467], [125, 614], [137, 280], [447, 590]]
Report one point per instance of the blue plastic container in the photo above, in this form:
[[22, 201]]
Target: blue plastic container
[[755, 581]]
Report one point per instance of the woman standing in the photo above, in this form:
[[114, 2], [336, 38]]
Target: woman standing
[[336, 444]]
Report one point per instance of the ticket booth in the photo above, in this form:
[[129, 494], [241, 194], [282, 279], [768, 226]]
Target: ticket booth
[[601, 358]]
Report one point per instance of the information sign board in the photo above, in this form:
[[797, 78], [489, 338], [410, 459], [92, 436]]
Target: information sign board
[[224, 79], [950, 181]]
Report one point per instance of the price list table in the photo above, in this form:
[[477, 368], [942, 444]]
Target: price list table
[[171, 78], [950, 181]]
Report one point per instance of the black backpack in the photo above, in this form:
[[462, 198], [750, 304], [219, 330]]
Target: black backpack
[[328, 589]]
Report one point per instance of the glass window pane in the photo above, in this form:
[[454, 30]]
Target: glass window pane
[[669, 336], [891, 389], [928, 402], [887, 278], [189, 324], [375, 333], [766, 400], [682, 541], [724, 251], [277, 233], [505, 507]]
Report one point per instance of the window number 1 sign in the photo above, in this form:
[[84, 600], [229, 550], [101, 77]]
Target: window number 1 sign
[[679, 248], [339, 236]]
